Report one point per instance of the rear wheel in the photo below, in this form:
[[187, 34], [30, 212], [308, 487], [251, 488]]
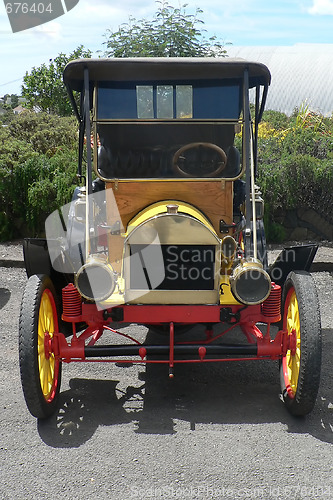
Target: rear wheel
[[40, 369], [300, 367]]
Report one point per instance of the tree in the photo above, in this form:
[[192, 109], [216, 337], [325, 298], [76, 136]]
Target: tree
[[43, 88], [38, 159], [10, 101], [46, 133], [14, 100], [171, 33]]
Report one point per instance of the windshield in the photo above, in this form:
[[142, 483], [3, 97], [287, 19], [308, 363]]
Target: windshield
[[142, 129], [146, 100]]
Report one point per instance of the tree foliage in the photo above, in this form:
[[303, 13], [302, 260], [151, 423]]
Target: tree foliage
[[295, 167], [10, 101], [43, 88], [43, 132], [172, 32], [38, 159]]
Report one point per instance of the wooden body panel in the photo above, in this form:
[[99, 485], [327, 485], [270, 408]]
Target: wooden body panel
[[213, 198]]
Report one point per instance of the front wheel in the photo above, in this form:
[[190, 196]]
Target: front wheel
[[300, 367], [40, 369]]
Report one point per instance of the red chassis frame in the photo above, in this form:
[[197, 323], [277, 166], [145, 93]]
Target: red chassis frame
[[82, 347]]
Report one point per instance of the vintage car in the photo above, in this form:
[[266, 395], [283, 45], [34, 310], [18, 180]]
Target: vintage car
[[166, 230]]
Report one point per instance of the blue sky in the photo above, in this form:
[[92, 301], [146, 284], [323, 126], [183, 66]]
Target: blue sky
[[241, 22]]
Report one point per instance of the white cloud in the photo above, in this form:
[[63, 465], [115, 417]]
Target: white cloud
[[322, 7], [51, 30], [101, 9]]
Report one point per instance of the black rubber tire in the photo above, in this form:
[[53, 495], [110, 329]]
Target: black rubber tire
[[310, 343], [38, 405]]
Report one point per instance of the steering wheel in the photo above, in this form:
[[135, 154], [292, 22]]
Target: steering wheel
[[199, 159]]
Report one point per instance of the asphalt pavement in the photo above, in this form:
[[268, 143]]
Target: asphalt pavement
[[216, 431]]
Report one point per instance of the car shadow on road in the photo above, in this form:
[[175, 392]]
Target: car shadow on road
[[218, 393]]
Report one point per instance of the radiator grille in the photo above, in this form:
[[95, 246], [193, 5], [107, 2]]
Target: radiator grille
[[172, 267]]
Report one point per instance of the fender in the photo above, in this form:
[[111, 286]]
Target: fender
[[37, 261], [297, 258]]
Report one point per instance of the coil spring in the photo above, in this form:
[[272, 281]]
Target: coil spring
[[271, 308], [71, 302]]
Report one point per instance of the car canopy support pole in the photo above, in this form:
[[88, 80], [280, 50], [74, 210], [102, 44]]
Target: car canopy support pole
[[246, 156], [89, 207], [253, 198], [256, 124], [81, 135]]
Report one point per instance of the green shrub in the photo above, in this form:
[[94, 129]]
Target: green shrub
[[52, 188], [13, 150], [274, 231], [38, 163], [43, 132], [295, 166], [276, 119]]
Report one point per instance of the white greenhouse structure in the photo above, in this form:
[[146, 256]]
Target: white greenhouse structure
[[301, 74]]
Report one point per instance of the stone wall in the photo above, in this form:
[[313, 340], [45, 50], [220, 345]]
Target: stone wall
[[305, 224]]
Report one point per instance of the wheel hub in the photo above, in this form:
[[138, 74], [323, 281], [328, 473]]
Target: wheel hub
[[293, 342], [47, 345]]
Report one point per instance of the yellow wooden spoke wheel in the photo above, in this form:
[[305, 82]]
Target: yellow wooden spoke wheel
[[300, 367], [47, 364], [292, 359], [40, 368]]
